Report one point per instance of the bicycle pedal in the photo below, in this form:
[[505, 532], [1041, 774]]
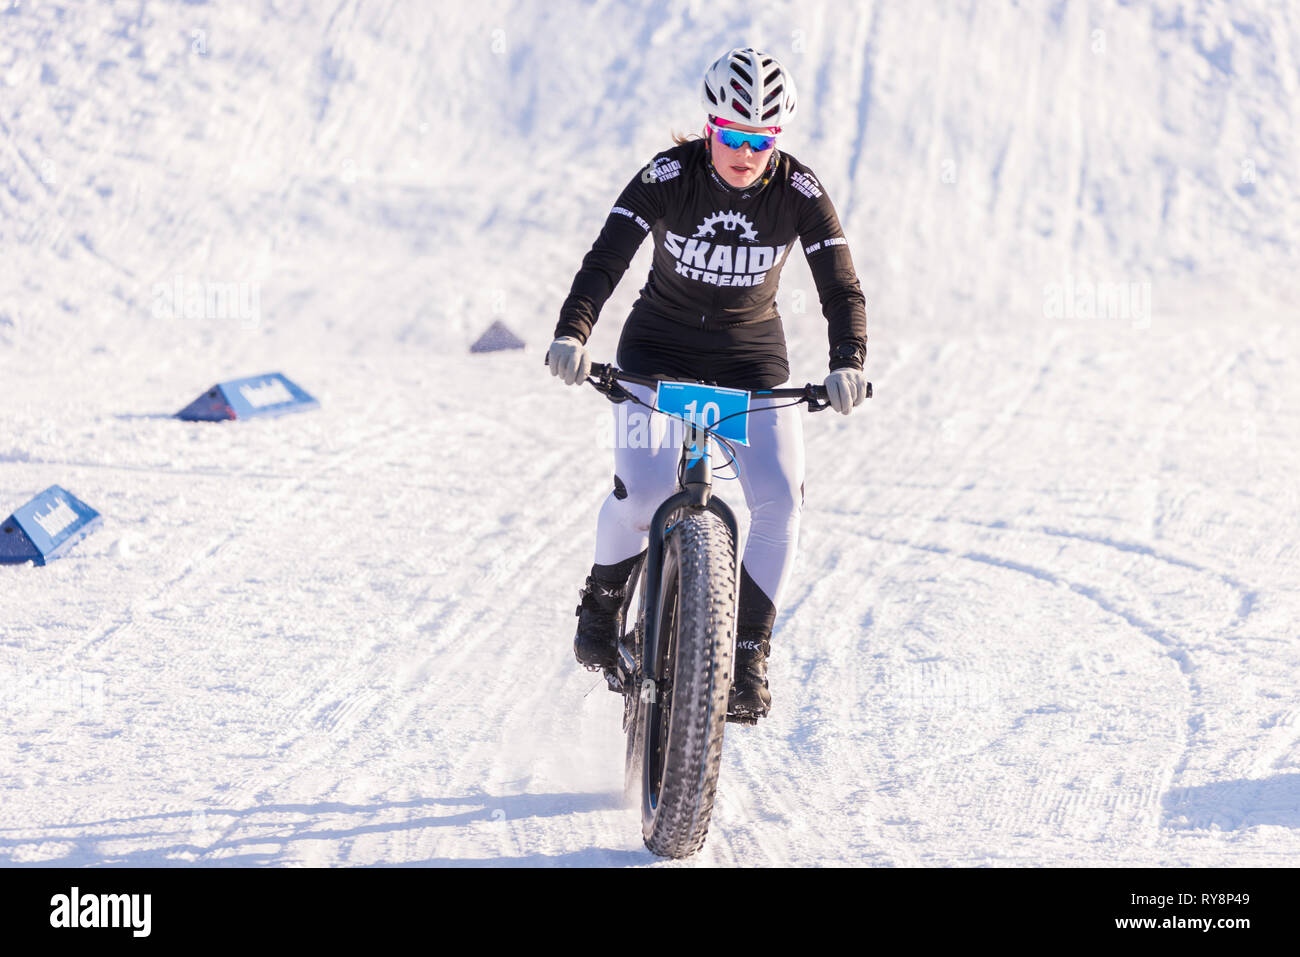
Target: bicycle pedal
[[742, 718]]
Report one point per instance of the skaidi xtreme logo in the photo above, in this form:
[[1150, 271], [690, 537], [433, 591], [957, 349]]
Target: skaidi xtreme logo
[[660, 170], [723, 264], [728, 220], [75, 909]]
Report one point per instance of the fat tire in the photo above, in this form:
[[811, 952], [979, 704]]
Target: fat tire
[[699, 582]]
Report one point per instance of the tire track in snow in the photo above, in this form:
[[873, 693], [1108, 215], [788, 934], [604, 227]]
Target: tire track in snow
[[835, 723], [847, 604], [1169, 642], [438, 680], [331, 709]]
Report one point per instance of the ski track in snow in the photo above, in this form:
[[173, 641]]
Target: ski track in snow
[[1044, 611]]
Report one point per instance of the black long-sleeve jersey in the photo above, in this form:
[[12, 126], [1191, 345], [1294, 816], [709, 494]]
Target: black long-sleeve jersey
[[708, 308]]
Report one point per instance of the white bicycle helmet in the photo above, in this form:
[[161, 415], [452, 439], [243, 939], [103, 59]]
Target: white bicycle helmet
[[750, 87]]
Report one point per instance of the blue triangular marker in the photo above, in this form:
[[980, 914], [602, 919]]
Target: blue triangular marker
[[46, 527], [270, 394], [496, 338]]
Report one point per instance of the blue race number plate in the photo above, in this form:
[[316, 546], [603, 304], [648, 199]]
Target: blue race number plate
[[708, 405]]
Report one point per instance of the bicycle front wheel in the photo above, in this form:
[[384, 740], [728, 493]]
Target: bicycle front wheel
[[682, 727]]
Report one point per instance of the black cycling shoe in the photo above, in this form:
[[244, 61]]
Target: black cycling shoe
[[596, 643], [750, 698]]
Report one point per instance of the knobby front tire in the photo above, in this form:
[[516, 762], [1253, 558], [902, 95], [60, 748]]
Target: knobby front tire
[[681, 731]]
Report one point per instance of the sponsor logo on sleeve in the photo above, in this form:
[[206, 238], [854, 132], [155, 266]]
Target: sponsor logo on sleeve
[[624, 211], [807, 184], [833, 241], [660, 170]]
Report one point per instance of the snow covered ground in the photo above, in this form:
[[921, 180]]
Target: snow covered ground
[[1046, 604]]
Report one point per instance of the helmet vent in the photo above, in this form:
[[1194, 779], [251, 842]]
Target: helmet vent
[[747, 86]]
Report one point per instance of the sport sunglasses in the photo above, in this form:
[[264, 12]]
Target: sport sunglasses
[[734, 139]]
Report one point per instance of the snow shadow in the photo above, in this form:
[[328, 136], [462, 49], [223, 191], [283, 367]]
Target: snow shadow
[[587, 857], [261, 835], [1235, 805]]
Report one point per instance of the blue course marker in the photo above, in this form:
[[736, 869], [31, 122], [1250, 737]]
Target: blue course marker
[[270, 394], [46, 527]]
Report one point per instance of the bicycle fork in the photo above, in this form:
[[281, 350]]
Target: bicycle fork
[[697, 492]]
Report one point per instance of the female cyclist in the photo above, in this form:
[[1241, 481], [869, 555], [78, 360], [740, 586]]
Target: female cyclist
[[724, 212]]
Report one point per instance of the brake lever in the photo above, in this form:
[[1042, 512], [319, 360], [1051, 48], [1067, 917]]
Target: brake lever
[[817, 405], [814, 404], [616, 392], [608, 386]]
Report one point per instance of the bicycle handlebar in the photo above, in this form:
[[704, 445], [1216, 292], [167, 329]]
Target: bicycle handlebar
[[605, 376]]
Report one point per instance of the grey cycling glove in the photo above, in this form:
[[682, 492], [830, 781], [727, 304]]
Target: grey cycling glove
[[568, 359], [846, 388]]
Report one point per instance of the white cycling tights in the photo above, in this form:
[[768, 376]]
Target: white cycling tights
[[771, 469]]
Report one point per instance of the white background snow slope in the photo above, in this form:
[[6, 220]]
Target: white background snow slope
[[1046, 605]]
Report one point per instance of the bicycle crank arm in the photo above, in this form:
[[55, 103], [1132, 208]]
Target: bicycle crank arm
[[622, 677]]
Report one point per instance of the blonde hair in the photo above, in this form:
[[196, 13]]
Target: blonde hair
[[680, 138]]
